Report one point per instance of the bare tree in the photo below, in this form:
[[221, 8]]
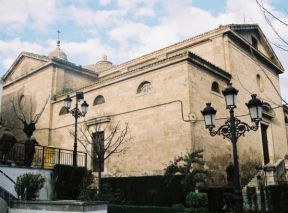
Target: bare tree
[[269, 18], [100, 146], [24, 110], [273, 19]]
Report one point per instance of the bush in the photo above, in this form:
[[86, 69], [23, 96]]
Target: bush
[[179, 207], [194, 210], [196, 200], [69, 182], [218, 197], [252, 197], [28, 185]]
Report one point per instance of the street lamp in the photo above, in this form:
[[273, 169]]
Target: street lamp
[[233, 129], [76, 113]]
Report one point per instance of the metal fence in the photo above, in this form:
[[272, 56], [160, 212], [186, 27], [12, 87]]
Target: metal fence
[[46, 157]]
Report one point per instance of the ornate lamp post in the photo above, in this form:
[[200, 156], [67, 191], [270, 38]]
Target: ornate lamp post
[[233, 129], [76, 113]]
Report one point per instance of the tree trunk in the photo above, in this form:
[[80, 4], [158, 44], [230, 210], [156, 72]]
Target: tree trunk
[[99, 179]]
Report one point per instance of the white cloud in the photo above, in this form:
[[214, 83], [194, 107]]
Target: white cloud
[[145, 11], [127, 37], [104, 2], [89, 51], [17, 15], [86, 17], [10, 49]]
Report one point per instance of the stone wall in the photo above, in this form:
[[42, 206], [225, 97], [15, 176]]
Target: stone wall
[[154, 118], [38, 88]]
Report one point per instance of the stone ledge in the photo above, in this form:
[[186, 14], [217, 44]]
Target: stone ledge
[[61, 205]]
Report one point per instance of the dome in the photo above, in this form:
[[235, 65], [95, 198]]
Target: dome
[[57, 53]]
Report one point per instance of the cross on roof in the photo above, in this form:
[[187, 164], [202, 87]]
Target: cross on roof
[[58, 31]]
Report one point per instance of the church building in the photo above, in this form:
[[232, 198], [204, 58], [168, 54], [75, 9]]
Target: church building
[[160, 96]]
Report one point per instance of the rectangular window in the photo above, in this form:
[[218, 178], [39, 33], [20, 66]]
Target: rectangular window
[[98, 151], [265, 143]]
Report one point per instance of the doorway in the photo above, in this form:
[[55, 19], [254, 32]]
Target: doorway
[[265, 143]]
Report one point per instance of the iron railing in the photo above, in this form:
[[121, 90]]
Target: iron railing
[[45, 157]]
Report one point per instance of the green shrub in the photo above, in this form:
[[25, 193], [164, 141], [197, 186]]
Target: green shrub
[[179, 207], [219, 197], [106, 193], [88, 193], [28, 185], [194, 210], [196, 200], [69, 181], [252, 197]]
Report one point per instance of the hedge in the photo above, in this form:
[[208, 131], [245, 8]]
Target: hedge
[[153, 191], [218, 197], [147, 190], [277, 197], [148, 209], [68, 181]]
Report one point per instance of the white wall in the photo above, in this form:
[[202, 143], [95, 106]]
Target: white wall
[[3, 206], [14, 172], [42, 211]]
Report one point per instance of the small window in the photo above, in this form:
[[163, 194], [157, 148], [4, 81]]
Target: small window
[[63, 111], [21, 98], [99, 100], [286, 119], [215, 87], [254, 42], [144, 87], [260, 83], [21, 101]]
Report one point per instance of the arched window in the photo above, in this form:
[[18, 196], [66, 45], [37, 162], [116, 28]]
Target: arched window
[[144, 87], [21, 98], [99, 100], [21, 101], [63, 111], [215, 87], [260, 83]]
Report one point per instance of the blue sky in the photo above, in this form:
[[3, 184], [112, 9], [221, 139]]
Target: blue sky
[[122, 29]]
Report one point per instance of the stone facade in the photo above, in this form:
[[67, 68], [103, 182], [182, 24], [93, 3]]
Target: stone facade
[[164, 120]]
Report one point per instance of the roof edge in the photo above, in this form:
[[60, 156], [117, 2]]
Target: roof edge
[[184, 56]]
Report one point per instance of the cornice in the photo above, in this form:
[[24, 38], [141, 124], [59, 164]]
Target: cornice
[[247, 47], [184, 56]]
